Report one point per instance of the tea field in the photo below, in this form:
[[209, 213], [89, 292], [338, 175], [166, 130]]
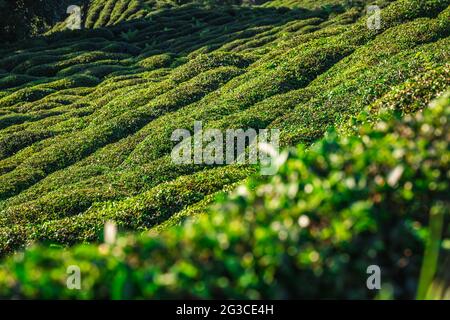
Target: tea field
[[86, 118]]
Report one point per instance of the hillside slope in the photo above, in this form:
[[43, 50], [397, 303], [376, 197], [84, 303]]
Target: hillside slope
[[86, 116], [310, 231]]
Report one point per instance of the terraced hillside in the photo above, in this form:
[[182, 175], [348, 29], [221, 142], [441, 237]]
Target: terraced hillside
[[86, 116]]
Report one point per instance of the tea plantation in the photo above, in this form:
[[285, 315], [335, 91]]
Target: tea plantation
[[86, 118]]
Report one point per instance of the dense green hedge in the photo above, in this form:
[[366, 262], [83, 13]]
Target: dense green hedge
[[309, 231]]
